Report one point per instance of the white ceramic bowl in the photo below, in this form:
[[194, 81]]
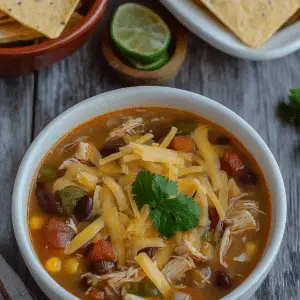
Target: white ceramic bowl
[[147, 96], [284, 42]]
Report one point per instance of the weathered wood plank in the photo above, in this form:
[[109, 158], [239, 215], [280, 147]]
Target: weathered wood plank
[[250, 89], [16, 98]]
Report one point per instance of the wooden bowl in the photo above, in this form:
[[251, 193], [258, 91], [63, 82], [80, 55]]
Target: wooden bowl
[[21, 60], [161, 76]]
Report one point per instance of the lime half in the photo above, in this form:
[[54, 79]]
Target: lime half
[[159, 63], [139, 32]]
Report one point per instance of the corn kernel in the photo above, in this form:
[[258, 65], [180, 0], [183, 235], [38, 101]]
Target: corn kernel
[[251, 248], [53, 265], [36, 222], [71, 265]]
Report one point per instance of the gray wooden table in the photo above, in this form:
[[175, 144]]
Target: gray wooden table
[[251, 89]]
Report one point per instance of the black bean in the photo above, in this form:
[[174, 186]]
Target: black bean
[[50, 203], [149, 251], [159, 131], [84, 283], [223, 140], [102, 267], [83, 210], [248, 177], [221, 226], [213, 217], [111, 147], [222, 280]]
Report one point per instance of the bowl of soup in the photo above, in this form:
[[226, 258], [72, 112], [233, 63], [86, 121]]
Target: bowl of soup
[[149, 193]]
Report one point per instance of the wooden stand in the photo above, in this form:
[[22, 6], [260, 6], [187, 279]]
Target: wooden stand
[[161, 76]]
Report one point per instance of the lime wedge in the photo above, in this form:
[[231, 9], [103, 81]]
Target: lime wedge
[[139, 32], [159, 63]]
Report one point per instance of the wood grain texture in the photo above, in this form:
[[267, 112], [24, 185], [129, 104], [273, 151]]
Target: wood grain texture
[[16, 95], [251, 89]]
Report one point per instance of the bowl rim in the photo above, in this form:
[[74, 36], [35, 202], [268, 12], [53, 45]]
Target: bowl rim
[[92, 17], [21, 184]]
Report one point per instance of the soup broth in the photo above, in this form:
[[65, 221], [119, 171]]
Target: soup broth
[[149, 202]]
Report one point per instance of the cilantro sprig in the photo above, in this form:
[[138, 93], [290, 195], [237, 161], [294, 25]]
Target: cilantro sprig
[[290, 112], [171, 210]]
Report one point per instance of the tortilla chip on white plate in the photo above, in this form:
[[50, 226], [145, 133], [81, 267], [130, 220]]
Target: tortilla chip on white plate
[[253, 21], [49, 17], [293, 19]]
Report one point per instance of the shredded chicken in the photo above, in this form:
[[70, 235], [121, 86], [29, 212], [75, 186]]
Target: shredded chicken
[[73, 144], [174, 270], [232, 201], [239, 221], [116, 279], [202, 276], [206, 274], [68, 162], [182, 296], [82, 152], [126, 127], [241, 258], [193, 251], [246, 204], [224, 246], [133, 297], [131, 263], [71, 224], [110, 294]]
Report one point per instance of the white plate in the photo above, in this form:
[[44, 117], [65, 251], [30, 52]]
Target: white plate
[[284, 42]]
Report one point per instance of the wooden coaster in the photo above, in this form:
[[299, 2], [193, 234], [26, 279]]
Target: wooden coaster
[[161, 76]]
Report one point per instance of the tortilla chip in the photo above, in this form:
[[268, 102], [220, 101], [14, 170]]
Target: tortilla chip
[[14, 32], [74, 21], [293, 19], [253, 21], [17, 32], [6, 20], [48, 17], [2, 14]]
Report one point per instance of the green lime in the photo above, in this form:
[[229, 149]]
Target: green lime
[[139, 32], [159, 63]]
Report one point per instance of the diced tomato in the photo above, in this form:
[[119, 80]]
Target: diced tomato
[[214, 217], [231, 163], [57, 234], [183, 143], [96, 295], [101, 250]]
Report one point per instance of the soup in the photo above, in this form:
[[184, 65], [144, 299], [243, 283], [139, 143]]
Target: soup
[[149, 203]]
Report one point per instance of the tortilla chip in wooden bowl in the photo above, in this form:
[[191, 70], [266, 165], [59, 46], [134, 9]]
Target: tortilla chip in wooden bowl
[[27, 45], [49, 18]]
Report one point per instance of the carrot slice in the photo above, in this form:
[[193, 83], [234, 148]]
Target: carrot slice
[[183, 143]]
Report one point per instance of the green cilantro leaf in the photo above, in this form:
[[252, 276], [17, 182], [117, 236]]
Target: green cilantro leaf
[[290, 112], [164, 188], [171, 211], [143, 189], [294, 96], [185, 126]]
